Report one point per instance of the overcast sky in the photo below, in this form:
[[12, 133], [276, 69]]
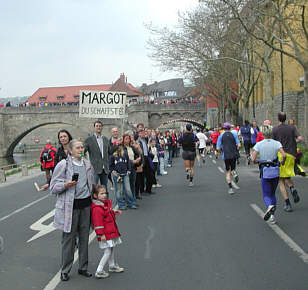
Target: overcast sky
[[45, 43]]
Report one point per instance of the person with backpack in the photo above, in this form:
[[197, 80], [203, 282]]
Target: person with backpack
[[47, 159], [230, 145], [245, 132]]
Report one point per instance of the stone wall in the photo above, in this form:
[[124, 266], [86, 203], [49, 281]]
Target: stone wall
[[294, 106]]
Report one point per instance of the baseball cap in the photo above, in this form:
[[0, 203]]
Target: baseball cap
[[188, 127], [227, 125]]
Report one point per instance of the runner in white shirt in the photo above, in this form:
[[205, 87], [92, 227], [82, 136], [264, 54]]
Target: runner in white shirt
[[201, 150]]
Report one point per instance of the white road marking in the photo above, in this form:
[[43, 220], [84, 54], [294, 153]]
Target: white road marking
[[42, 229], [220, 169], [22, 208], [53, 283], [147, 254], [214, 161], [295, 247]]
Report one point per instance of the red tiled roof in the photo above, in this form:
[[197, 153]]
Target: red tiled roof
[[52, 94], [68, 93]]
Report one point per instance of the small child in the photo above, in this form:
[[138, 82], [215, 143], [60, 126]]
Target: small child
[[108, 236]]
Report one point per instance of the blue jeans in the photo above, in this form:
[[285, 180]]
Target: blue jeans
[[102, 177], [170, 156], [125, 184]]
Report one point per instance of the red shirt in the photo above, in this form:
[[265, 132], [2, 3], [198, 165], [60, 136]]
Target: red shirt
[[214, 136]]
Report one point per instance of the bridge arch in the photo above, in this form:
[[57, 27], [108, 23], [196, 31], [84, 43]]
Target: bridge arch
[[184, 120], [12, 146]]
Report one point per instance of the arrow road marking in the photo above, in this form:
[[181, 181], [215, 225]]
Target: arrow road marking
[[295, 247], [42, 229]]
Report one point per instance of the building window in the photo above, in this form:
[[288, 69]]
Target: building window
[[42, 98], [76, 97], [60, 97], [301, 82]]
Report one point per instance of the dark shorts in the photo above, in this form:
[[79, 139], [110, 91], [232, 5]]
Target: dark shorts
[[189, 155], [214, 146], [230, 164]]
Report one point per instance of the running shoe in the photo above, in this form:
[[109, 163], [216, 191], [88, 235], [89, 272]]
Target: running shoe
[[116, 269], [236, 178], [191, 183], [165, 173], [158, 185], [101, 274], [203, 160], [154, 185], [295, 196], [287, 207], [272, 219], [270, 210], [231, 191], [187, 173]]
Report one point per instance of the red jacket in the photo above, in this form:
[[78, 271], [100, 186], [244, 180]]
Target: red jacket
[[53, 151], [104, 220]]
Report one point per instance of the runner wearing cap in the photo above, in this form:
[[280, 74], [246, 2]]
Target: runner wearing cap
[[229, 144], [189, 142]]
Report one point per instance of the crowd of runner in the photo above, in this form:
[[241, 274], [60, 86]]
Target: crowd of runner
[[82, 174]]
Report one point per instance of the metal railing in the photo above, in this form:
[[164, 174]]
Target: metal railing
[[11, 168]]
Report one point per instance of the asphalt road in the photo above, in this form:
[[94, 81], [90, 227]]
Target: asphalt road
[[181, 238]]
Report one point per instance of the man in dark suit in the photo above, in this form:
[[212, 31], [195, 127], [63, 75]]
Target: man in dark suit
[[98, 148], [148, 171]]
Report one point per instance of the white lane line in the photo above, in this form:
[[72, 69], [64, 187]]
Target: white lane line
[[53, 283], [214, 161], [295, 247], [220, 169], [22, 208], [147, 254]]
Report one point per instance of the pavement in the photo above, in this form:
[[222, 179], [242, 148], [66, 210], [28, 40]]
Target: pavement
[[180, 238]]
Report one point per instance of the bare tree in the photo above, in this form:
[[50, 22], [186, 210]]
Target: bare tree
[[281, 25]]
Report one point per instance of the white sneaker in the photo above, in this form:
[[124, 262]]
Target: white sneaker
[[101, 274], [269, 212], [188, 173], [158, 185], [154, 185], [272, 220], [165, 173], [168, 165], [231, 191], [116, 269], [191, 183]]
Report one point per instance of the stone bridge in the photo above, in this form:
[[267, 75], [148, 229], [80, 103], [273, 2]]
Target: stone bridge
[[17, 123]]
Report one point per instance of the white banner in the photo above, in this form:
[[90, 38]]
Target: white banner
[[102, 104]]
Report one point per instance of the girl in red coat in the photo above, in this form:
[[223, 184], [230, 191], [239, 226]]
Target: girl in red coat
[[103, 218]]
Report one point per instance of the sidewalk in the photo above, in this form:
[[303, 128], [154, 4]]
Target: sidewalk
[[15, 178]]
